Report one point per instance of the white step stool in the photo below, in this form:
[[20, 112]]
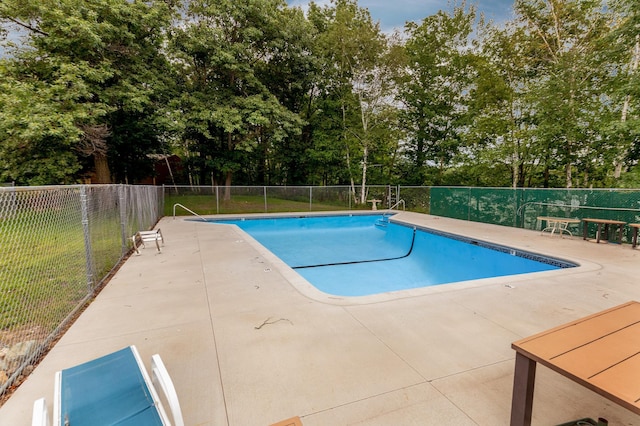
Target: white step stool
[[142, 237]]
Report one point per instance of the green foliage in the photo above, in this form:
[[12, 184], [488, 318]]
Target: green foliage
[[434, 91], [572, 76], [38, 135], [83, 64], [355, 95], [258, 92], [226, 107]]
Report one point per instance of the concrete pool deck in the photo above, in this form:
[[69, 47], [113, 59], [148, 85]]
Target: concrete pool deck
[[248, 343]]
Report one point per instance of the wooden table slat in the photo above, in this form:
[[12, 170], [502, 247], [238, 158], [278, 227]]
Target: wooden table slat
[[604, 221], [562, 339], [591, 359], [622, 380]]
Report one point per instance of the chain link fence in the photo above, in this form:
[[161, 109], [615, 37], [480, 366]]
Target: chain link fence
[[57, 244], [205, 200]]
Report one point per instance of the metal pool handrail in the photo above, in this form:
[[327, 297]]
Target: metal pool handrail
[[384, 219], [384, 215], [397, 204], [189, 210]]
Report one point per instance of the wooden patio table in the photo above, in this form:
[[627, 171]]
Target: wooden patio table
[[606, 223], [600, 352]]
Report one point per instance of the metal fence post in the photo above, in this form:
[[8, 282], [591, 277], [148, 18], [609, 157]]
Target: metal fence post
[[87, 236], [266, 210], [122, 201], [160, 196], [217, 200], [311, 198]]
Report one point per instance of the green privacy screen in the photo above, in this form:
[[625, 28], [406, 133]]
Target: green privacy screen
[[520, 207]]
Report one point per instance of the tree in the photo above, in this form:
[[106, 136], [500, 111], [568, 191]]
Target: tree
[[37, 136], [565, 39], [226, 108], [359, 66], [435, 92], [92, 62], [501, 117], [626, 36]]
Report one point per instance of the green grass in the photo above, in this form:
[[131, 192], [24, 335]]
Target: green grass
[[41, 271], [43, 274], [206, 205]]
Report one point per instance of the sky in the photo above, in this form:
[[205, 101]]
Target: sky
[[394, 13]]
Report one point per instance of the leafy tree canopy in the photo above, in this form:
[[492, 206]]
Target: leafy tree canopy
[[259, 92]]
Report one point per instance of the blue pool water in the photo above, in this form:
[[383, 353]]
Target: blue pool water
[[356, 256]]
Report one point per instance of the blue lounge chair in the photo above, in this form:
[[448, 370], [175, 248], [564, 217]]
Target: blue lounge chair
[[112, 390]]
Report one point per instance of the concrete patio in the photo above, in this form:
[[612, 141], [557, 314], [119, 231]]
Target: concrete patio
[[248, 342]]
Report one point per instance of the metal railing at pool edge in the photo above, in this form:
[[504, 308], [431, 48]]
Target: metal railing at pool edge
[[404, 207], [187, 209], [384, 220]]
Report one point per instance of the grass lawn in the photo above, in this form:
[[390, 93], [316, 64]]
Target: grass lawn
[[206, 205], [42, 272], [43, 268]]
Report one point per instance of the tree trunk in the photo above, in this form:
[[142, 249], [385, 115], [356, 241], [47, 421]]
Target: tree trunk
[[568, 175], [353, 183], [227, 183], [227, 187], [619, 160], [521, 176], [363, 193], [346, 142], [103, 174], [545, 182], [517, 164], [365, 148]]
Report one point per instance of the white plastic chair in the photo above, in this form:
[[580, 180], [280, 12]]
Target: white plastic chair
[[160, 376]]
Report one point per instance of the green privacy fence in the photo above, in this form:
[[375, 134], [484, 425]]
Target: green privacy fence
[[522, 206]]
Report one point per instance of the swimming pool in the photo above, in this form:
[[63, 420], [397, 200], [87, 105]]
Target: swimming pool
[[360, 255]]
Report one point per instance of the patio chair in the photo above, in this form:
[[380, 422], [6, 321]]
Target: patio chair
[[112, 390], [142, 237], [40, 415]]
